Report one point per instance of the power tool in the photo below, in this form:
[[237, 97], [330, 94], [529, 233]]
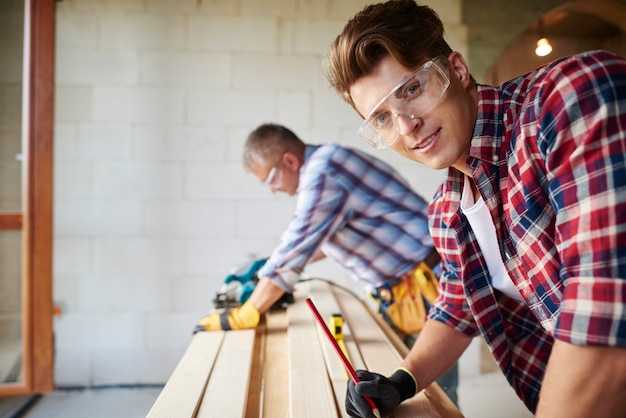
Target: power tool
[[239, 285]]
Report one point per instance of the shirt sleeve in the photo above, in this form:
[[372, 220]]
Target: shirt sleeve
[[319, 212], [582, 130], [451, 308]]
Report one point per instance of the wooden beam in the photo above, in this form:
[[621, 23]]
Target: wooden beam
[[10, 221], [225, 394], [324, 300], [180, 398], [276, 366], [38, 126], [255, 386], [309, 385]]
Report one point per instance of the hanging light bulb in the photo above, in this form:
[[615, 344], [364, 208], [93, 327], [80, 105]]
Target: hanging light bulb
[[543, 47]]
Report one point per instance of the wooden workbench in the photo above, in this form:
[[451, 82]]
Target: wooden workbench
[[287, 368]]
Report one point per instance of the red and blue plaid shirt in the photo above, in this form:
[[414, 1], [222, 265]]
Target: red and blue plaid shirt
[[548, 155]]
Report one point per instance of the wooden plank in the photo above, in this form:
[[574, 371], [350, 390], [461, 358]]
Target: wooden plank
[[325, 302], [276, 366], [181, 395], [380, 354], [253, 398], [38, 130], [225, 394], [10, 220], [311, 394]]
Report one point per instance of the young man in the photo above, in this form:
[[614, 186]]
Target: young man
[[530, 221], [351, 207]]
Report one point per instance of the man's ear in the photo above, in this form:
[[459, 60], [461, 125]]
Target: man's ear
[[459, 69], [291, 160]]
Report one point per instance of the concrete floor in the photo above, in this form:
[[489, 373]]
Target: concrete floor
[[481, 396]]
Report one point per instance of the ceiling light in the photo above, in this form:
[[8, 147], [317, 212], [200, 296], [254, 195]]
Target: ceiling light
[[543, 47]]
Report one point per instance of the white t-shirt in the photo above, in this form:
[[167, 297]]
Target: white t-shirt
[[479, 219]]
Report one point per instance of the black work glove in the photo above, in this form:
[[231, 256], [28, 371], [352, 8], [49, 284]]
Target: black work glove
[[387, 393]]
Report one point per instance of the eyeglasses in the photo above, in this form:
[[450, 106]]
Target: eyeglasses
[[416, 95], [270, 177]]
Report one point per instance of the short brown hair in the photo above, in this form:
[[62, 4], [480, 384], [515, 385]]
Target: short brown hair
[[268, 142], [402, 29]]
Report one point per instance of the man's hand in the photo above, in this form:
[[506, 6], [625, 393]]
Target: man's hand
[[245, 316], [387, 393]]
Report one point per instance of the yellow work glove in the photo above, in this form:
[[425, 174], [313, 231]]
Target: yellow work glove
[[245, 316]]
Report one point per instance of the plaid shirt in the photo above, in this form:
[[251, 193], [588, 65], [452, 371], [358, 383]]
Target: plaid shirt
[[359, 211], [548, 155]]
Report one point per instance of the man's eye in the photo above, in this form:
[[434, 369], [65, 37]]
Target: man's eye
[[381, 119], [412, 90]]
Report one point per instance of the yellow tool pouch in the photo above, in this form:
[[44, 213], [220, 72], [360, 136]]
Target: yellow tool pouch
[[404, 302]]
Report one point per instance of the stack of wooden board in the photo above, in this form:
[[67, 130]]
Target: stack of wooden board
[[286, 367]]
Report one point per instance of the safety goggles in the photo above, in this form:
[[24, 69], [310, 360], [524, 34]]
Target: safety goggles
[[411, 98]]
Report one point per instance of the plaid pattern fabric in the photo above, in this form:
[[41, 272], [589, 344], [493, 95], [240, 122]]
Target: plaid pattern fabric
[[359, 211], [548, 155]]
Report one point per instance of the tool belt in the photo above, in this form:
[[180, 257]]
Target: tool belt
[[404, 303]]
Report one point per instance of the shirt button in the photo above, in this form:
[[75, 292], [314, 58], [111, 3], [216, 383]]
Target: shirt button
[[495, 158]]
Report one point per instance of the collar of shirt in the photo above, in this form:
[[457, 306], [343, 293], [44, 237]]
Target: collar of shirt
[[308, 151], [486, 143]]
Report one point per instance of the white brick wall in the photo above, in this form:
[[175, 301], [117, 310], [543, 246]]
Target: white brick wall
[[154, 99]]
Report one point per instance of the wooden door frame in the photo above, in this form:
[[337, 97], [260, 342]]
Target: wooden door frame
[[35, 219]]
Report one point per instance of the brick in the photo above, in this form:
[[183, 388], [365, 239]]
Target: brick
[[142, 293], [72, 103], [294, 108], [278, 72], [72, 179], [217, 257], [221, 181], [101, 5], [224, 107], [138, 104], [76, 30], [132, 367], [449, 11], [234, 34], [72, 367], [134, 31], [95, 217], [65, 141], [267, 219], [135, 180], [179, 143], [191, 69], [170, 330], [190, 218], [329, 110], [138, 256], [196, 293], [86, 67], [89, 331], [104, 142], [314, 36]]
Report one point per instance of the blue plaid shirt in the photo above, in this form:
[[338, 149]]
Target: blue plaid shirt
[[359, 211]]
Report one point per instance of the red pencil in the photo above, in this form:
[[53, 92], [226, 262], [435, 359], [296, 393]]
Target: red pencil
[[339, 352]]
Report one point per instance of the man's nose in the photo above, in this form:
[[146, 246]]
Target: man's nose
[[405, 123]]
